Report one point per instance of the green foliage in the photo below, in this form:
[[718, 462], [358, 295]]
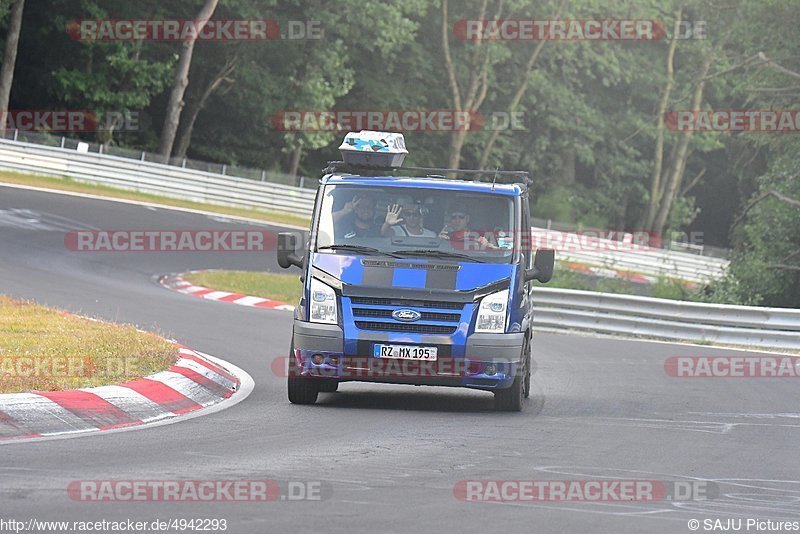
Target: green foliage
[[765, 268], [565, 205], [118, 79], [565, 279], [670, 288]]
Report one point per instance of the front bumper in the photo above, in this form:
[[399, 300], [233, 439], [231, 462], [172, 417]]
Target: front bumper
[[489, 361]]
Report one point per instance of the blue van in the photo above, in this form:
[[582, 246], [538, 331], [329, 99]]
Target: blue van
[[420, 279]]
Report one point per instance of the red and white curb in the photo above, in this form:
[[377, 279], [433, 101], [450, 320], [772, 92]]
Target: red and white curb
[[175, 282], [195, 383]]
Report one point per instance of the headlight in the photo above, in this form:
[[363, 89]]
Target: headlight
[[492, 313], [323, 303]]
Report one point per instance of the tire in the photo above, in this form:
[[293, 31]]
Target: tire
[[526, 385], [302, 390], [328, 386], [510, 399]]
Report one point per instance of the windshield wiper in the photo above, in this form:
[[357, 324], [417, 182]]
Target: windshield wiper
[[436, 254], [357, 248]]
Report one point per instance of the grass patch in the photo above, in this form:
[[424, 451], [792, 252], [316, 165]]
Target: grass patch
[[281, 287], [563, 278], [67, 184], [46, 349]]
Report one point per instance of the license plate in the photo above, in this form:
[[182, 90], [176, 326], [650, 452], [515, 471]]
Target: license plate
[[405, 352]]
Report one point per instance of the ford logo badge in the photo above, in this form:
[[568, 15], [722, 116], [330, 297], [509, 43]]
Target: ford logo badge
[[406, 315]]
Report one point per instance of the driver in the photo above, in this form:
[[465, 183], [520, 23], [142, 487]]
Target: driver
[[357, 218], [457, 231]]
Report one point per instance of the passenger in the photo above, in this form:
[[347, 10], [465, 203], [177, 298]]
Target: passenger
[[406, 220], [357, 218], [458, 233]]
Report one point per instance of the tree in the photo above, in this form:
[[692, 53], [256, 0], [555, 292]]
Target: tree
[[175, 104], [658, 158], [677, 167], [10, 60], [471, 96], [220, 78]]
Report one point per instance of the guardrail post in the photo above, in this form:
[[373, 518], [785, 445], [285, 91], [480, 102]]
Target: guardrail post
[[100, 150], [15, 134], [263, 175], [224, 168], [63, 141], [183, 163], [142, 158]]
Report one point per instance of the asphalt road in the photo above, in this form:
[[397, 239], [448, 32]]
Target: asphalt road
[[388, 457]]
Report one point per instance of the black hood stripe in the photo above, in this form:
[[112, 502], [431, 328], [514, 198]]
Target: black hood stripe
[[441, 279], [377, 277]]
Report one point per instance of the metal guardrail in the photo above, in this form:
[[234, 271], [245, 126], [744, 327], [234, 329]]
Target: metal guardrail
[[155, 178], [666, 319], [207, 187], [236, 171]]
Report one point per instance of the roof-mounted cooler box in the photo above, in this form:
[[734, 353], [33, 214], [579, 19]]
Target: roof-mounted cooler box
[[373, 149]]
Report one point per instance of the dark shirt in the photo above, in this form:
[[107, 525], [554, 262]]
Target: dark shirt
[[349, 230]]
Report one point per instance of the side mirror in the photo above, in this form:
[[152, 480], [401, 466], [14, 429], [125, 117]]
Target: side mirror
[[543, 264], [287, 251]]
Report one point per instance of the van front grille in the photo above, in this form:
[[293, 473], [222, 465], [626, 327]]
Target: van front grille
[[425, 315]]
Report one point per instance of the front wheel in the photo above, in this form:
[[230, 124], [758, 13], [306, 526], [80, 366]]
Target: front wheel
[[302, 390], [510, 399], [526, 386]]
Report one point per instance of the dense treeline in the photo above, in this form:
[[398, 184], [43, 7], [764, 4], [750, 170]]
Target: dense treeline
[[590, 115]]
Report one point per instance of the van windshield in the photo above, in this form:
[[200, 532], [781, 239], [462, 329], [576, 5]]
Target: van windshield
[[412, 222]]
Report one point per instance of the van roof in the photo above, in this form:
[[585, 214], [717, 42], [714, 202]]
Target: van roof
[[426, 182]]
